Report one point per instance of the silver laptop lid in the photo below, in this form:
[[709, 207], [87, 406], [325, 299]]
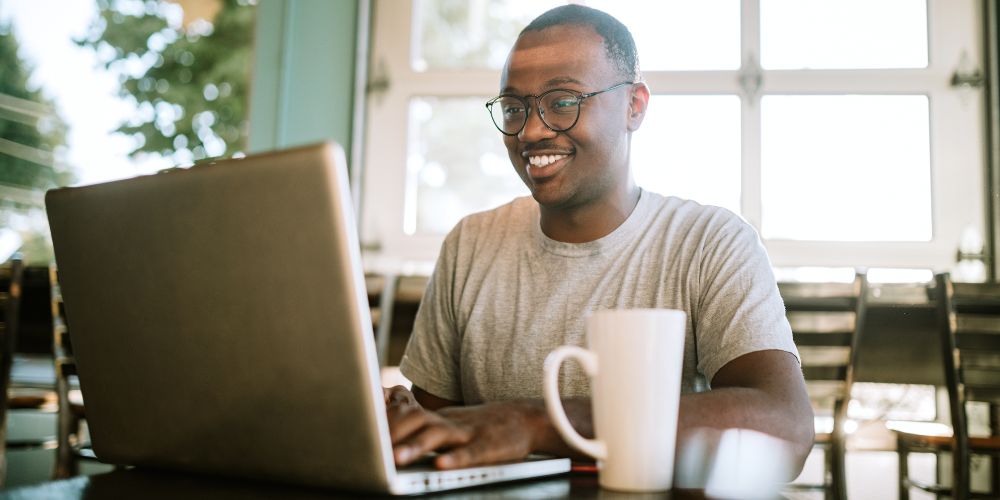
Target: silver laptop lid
[[212, 332]]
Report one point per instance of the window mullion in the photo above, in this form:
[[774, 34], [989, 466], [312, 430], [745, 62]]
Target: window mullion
[[692, 82], [750, 202]]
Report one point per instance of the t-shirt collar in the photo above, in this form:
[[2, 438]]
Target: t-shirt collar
[[623, 233]]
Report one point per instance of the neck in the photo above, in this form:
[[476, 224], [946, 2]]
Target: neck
[[590, 221]]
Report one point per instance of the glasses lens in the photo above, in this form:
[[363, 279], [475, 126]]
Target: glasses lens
[[560, 109], [509, 114]]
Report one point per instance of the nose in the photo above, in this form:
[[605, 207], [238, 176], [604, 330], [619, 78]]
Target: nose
[[535, 129]]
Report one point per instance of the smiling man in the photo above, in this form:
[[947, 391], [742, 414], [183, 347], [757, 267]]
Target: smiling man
[[515, 282]]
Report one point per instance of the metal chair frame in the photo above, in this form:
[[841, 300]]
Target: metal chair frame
[[956, 337]]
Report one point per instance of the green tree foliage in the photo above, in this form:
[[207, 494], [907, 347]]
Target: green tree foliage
[[32, 138], [30, 129], [189, 82]]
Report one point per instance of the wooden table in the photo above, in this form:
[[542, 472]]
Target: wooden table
[[137, 483]]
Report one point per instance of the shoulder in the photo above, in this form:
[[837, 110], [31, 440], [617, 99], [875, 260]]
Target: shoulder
[[515, 210], [694, 221], [511, 215], [490, 228]]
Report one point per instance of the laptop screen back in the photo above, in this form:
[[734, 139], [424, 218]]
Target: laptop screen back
[[220, 323]]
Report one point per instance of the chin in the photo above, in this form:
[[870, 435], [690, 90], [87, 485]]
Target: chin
[[549, 199]]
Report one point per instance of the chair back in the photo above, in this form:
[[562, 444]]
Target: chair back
[[969, 322], [974, 321], [11, 275], [900, 325], [394, 301], [826, 321]]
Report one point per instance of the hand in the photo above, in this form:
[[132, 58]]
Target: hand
[[466, 436]]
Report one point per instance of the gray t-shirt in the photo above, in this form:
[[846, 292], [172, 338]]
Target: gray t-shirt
[[503, 295]]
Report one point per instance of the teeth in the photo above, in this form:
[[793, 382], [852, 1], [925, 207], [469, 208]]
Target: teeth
[[544, 160]]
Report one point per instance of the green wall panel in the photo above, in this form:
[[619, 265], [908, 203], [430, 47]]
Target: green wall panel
[[303, 74]]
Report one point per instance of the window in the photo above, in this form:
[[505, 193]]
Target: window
[[832, 127]]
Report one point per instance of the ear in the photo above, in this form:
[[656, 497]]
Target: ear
[[639, 100]]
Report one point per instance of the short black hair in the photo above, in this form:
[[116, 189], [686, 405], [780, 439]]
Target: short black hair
[[618, 42]]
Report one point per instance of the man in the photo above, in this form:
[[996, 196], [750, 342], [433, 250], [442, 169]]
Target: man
[[515, 282]]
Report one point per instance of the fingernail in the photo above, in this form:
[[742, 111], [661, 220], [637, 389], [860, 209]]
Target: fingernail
[[403, 454]]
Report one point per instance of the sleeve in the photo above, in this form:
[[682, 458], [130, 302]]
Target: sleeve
[[739, 308], [431, 359]]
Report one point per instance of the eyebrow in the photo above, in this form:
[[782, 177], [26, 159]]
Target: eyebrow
[[559, 80]]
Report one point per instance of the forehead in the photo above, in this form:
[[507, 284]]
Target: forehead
[[557, 53]]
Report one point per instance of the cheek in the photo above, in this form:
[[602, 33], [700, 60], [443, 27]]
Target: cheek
[[593, 144], [604, 151], [510, 143]]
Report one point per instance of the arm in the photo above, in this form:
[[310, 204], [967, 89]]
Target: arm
[[763, 391], [430, 401]]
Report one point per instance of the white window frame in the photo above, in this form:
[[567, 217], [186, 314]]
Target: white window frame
[[957, 153]]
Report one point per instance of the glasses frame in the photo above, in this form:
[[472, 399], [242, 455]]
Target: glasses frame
[[580, 97]]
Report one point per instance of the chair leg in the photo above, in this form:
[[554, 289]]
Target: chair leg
[[995, 475], [960, 468], [938, 477], [838, 474], [829, 481], [67, 464], [902, 452], [3, 450], [995, 457]]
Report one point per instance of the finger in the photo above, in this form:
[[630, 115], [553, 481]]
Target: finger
[[430, 438], [478, 452], [459, 458], [405, 420]]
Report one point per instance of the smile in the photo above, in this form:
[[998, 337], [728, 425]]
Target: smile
[[544, 160]]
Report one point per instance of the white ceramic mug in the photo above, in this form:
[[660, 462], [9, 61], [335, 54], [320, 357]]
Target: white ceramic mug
[[634, 360]]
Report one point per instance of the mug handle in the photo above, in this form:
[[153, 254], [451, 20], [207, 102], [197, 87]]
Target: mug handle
[[553, 403]]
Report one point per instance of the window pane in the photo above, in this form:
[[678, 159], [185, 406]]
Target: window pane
[[689, 146], [670, 34], [456, 164], [681, 34], [468, 34], [843, 34], [846, 168]]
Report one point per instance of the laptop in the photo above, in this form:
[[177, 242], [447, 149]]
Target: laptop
[[220, 324]]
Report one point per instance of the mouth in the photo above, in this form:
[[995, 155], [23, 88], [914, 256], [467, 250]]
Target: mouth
[[541, 166]]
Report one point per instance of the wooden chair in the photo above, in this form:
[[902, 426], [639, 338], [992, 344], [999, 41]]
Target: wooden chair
[[394, 301], [826, 320], [71, 445], [969, 325], [10, 301], [381, 295], [408, 294], [20, 395]]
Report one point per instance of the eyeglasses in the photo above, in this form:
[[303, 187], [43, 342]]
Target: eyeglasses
[[559, 109]]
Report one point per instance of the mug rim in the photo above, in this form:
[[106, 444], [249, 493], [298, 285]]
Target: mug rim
[[635, 311]]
